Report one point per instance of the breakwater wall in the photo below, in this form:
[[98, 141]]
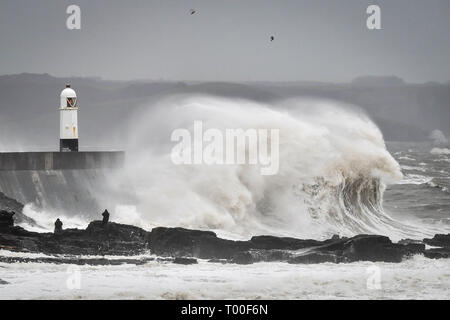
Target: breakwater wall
[[75, 183]]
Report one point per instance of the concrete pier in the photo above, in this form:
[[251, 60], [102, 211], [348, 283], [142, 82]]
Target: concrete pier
[[61, 160], [73, 183]]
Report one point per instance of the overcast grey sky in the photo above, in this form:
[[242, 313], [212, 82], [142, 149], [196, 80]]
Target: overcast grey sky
[[228, 40]]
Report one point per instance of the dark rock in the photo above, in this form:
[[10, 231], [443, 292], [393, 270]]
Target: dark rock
[[412, 248], [76, 261], [6, 219], [111, 231], [410, 241], [372, 248], [437, 253], [332, 246], [222, 261], [164, 259], [315, 257], [119, 239], [113, 239], [257, 255], [200, 244], [439, 240], [245, 257], [205, 244], [12, 205], [273, 255], [185, 261], [271, 242]]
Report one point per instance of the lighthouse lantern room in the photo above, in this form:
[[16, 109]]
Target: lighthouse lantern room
[[68, 121]]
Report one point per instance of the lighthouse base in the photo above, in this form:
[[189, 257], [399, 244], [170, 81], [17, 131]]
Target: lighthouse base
[[68, 145]]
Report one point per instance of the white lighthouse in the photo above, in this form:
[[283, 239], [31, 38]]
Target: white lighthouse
[[68, 121]]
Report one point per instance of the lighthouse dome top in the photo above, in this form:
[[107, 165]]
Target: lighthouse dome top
[[68, 92], [68, 98]]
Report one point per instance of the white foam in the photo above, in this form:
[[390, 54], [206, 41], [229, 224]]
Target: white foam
[[415, 179], [440, 151], [45, 219], [417, 278], [407, 158], [323, 146], [404, 167]]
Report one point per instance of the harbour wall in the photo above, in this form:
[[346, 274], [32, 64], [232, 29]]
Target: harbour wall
[[61, 160], [72, 183]]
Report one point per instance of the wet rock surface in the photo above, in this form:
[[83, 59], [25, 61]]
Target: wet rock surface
[[315, 257], [186, 261], [437, 253], [439, 240], [206, 245], [77, 261], [184, 246], [11, 205], [96, 239]]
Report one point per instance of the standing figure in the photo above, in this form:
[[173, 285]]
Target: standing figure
[[58, 226], [11, 219], [105, 215]]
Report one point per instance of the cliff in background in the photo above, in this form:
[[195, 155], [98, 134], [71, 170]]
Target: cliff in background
[[29, 105]]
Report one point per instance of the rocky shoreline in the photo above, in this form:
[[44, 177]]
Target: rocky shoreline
[[116, 242]]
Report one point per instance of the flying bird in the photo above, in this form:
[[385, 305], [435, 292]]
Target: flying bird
[[272, 38], [192, 12]]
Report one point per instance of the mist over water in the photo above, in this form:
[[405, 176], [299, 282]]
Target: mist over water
[[438, 138], [334, 167]]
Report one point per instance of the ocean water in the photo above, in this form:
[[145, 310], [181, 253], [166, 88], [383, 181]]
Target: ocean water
[[420, 198], [416, 278], [337, 176]]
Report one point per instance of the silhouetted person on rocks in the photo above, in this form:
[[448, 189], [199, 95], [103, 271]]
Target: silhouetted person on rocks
[[58, 226], [11, 219], [105, 215]]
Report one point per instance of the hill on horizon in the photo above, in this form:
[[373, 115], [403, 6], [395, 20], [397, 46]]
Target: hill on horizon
[[29, 105]]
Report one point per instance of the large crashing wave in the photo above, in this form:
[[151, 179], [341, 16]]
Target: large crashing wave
[[334, 167]]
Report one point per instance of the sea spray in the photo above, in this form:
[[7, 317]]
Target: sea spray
[[334, 167]]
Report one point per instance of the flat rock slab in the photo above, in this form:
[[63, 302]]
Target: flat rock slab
[[184, 246], [437, 253], [439, 240], [77, 261], [185, 261], [97, 239]]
